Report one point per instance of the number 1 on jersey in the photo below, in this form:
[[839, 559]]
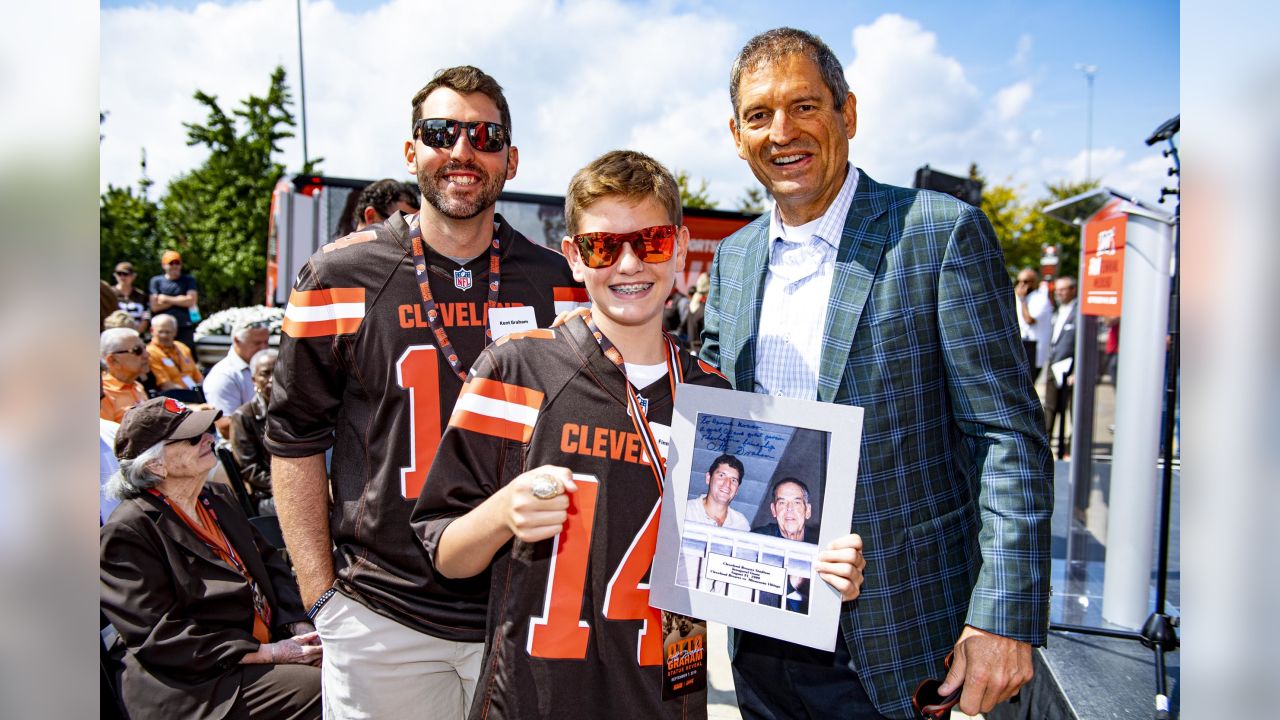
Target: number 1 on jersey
[[418, 371], [560, 632]]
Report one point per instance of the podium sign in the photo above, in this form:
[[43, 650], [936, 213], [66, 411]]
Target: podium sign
[[1102, 272]]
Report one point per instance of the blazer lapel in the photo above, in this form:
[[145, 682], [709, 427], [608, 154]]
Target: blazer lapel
[[755, 265], [861, 248], [241, 538], [171, 525]]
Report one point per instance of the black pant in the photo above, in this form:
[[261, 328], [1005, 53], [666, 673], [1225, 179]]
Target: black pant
[[1029, 347], [778, 680], [1057, 400], [281, 692]]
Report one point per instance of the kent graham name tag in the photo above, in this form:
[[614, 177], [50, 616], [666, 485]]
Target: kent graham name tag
[[504, 321]]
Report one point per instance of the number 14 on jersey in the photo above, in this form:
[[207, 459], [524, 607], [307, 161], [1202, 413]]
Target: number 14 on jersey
[[560, 632]]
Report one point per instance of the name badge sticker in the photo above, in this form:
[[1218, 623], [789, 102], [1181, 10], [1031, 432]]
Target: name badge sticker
[[504, 321]]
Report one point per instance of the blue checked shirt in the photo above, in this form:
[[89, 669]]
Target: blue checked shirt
[[796, 293]]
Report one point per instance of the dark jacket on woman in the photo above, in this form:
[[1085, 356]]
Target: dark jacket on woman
[[185, 615]]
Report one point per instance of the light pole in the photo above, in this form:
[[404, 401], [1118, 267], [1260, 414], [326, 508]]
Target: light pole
[[302, 85], [1089, 71]]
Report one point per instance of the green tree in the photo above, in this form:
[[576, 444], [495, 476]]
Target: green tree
[[1023, 229], [128, 230], [217, 214], [752, 201], [1011, 220], [691, 198], [1014, 226], [1049, 231]]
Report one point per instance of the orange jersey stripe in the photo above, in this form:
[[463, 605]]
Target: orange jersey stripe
[[320, 328], [354, 238], [569, 294], [497, 427], [710, 369], [496, 390], [536, 334], [328, 296]]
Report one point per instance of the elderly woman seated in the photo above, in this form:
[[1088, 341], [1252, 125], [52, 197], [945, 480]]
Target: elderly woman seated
[[208, 611]]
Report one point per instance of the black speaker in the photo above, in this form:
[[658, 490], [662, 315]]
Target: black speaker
[[961, 188]]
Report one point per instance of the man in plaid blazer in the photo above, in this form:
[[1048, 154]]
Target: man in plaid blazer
[[895, 300]]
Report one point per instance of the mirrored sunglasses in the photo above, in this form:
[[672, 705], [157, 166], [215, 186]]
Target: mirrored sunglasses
[[443, 133], [602, 249]]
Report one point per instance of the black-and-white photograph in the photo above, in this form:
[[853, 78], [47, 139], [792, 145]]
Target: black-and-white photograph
[[757, 487], [744, 510]]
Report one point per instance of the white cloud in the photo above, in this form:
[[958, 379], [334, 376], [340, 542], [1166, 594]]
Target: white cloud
[[1110, 166], [1022, 54], [1143, 178], [581, 78], [916, 105], [1011, 100]]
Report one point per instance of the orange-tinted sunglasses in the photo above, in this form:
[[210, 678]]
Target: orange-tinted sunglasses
[[602, 249]]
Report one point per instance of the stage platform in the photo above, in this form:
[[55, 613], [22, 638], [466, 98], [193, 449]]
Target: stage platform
[[1079, 676]]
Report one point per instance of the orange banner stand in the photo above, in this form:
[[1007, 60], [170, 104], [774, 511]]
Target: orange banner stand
[[1102, 269]]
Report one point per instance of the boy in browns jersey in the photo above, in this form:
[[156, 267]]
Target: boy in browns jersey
[[380, 330], [550, 469]]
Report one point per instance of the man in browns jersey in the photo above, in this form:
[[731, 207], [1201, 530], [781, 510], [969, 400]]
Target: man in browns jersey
[[381, 328], [551, 470]]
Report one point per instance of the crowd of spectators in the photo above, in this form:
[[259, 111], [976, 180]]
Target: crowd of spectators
[[179, 440]]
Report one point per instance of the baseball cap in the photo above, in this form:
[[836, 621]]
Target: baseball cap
[[159, 419], [169, 256]]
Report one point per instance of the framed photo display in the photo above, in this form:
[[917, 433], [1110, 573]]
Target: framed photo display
[[756, 485]]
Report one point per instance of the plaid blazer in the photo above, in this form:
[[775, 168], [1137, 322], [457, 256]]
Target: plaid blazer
[[955, 477]]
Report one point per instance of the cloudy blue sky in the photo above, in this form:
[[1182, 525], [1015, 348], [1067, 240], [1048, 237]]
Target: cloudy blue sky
[[993, 82]]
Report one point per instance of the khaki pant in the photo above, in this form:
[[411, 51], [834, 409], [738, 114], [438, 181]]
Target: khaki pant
[[374, 667]]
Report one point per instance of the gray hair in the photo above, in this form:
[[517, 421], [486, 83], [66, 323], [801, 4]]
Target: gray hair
[[260, 357], [160, 318], [773, 45], [240, 331], [112, 338], [134, 478], [790, 481]]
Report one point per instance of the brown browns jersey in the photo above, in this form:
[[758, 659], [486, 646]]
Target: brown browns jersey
[[360, 372], [571, 631]]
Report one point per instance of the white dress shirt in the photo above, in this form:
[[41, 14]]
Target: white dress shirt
[[229, 383], [797, 291], [1042, 311]]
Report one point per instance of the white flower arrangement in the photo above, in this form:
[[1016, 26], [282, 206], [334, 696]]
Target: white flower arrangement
[[221, 322]]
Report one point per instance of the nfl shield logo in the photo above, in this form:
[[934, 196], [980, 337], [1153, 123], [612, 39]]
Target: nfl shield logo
[[462, 279]]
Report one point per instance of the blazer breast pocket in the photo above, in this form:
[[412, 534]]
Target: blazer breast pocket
[[882, 335], [946, 544]]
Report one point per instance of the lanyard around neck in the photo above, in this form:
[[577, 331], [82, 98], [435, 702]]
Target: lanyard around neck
[[429, 303], [639, 419], [260, 605]]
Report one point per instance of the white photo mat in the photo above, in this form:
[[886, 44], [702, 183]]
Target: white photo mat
[[724, 575]]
